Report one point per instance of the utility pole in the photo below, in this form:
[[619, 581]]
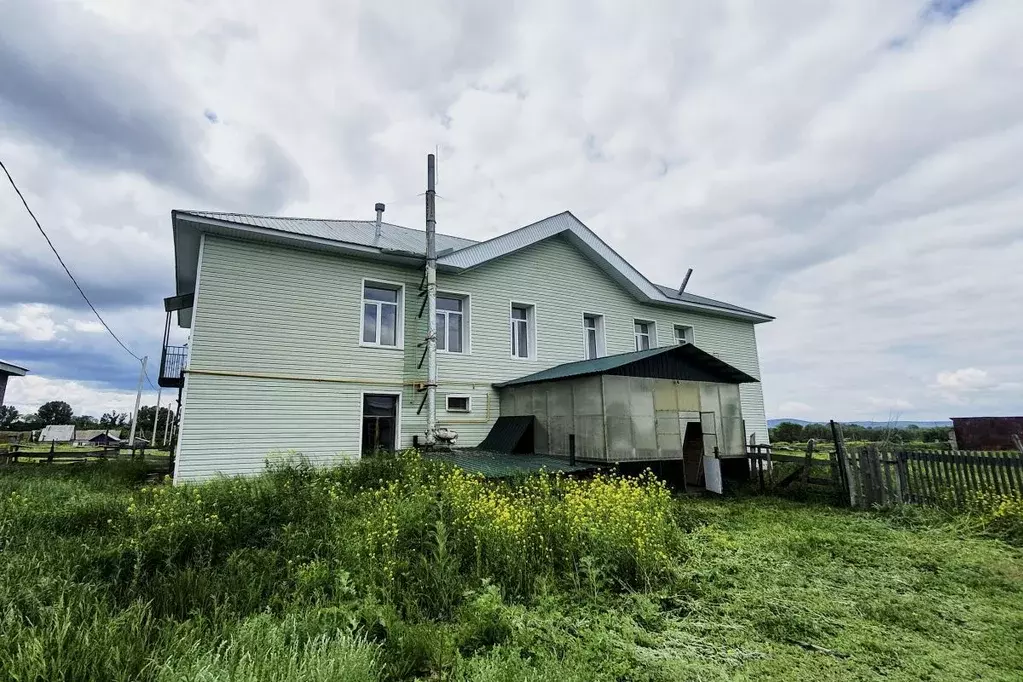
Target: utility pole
[[138, 399], [156, 417], [166, 426], [431, 298]]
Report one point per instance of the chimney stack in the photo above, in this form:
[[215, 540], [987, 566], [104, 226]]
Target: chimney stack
[[380, 216], [685, 280]]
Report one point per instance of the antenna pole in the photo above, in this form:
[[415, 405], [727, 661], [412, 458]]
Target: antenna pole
[[431, 298]]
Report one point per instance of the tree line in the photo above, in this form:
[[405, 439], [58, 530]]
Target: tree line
[[789, 432], [60, 412]]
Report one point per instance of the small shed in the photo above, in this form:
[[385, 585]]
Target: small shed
[[86, 437], [987, 433], [60, 433], [675, 403]]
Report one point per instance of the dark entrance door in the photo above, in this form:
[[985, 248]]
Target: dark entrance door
[[379, 423], [692, 455]]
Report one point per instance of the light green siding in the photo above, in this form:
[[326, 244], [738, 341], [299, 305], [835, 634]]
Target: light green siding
[[292, 318]]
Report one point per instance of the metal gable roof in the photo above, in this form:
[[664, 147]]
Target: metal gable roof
[[690, 363], [403, 244], [359, 232]]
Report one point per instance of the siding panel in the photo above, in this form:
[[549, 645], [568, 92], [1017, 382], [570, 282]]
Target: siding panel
[[295, 315]]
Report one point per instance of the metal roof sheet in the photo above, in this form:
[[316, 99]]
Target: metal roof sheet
[[455, 253], [693, 364], [360, 232], [12, 370], [57, 432], [687, 297]]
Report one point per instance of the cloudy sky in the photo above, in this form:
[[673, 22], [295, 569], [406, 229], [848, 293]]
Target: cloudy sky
[[853, 168]]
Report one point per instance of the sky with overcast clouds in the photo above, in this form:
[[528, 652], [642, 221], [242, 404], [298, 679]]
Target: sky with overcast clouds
[[852, 168]]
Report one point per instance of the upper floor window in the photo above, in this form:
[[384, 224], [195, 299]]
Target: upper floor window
[[523, 331], [452, 327], [645, 336], [593, 336], [381, 314], [683, 334]]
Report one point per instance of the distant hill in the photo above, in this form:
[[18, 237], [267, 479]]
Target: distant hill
[[771, 423]]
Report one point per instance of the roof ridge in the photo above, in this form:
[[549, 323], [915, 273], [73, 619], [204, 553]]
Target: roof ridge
[[317, 220], [519, 229]]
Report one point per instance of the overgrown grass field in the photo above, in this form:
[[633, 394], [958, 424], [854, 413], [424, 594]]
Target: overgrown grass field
[[401, 569]]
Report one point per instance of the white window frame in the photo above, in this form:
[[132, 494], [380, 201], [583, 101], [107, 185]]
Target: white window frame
[[466, 321], [689, 334], [651, 332], [530, 329], [397, 414], [468, 403], [399, 323], [601, 329]]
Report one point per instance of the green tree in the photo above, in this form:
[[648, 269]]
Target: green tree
[[8, 415], [55, 412], [113, 419], [787, 432]]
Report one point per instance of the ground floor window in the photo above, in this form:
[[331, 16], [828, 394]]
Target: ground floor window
[[379, 423]]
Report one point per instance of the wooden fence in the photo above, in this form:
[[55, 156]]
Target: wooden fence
[[872, 476], [946, 478]]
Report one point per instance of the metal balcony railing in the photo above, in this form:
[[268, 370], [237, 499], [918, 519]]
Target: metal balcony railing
[[172, 366]]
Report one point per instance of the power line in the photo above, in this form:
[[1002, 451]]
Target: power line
[[63, 265]]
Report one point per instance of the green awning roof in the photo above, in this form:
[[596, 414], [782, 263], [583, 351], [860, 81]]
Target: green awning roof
[[685, 362]]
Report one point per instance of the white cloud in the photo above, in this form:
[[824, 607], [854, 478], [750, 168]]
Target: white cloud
[[893, 404], [87, 326], [27, 393], [793, 408], [31, 322], [967, 379]]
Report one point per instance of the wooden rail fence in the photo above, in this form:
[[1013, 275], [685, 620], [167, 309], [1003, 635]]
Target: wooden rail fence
[[872, 476]]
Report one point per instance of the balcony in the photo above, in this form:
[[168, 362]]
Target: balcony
[[172, 366], [174, 359]]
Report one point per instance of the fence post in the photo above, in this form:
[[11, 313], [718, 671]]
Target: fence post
[[845, 466], [808, 462], [902, 474]]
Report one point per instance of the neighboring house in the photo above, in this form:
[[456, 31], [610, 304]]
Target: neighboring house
[[61, 433], [8, 370], [85, 437], [306, 335]]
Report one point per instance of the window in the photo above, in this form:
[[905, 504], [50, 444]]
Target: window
[[457, 403], [645, 336], [523, 331], [593, 336], [683, 334], [381, 314], [452, 323]]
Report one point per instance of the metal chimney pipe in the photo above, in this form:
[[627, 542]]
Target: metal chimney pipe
[[685, 281], [431, 298], [380, 217]]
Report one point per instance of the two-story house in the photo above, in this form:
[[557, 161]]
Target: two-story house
[[306, 335]]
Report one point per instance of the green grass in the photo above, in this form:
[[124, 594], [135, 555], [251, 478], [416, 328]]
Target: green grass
[[399, 569]]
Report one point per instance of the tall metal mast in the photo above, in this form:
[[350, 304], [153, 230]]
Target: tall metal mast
[[431, 298]]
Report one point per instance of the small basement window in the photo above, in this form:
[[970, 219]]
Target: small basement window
[[457, 403]]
